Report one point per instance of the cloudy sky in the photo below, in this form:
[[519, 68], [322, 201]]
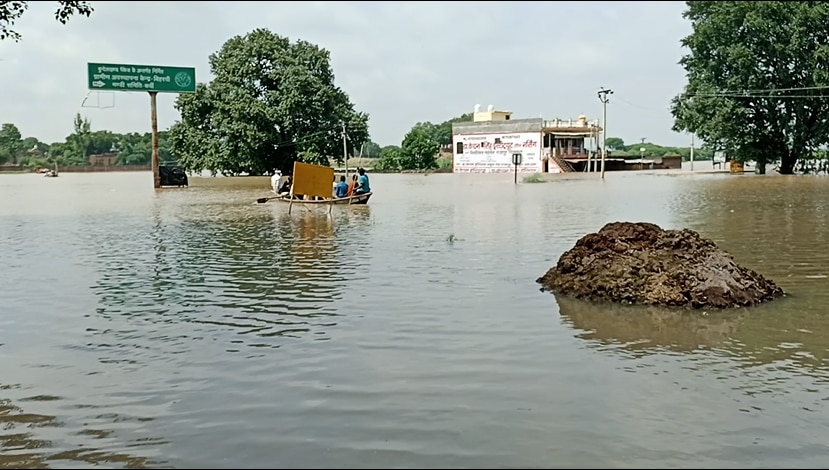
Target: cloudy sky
[[401, 62]]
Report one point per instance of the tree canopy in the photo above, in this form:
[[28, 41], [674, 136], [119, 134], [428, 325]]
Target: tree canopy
[[272, 102], [130, 149], [758, 74], [420, 146], [11, 11], [443, 131]]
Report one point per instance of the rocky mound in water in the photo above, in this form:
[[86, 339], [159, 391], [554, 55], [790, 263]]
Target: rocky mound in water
[[639, 263]]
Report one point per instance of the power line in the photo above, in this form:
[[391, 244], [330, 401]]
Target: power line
[[633, 104], [737, 95]]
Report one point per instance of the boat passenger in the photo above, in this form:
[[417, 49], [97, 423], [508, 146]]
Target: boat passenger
[[275, 181], [352, 185], [362, 182], [341, 190], [285, 189]]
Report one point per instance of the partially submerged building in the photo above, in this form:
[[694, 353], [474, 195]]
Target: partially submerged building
[[488, 143]]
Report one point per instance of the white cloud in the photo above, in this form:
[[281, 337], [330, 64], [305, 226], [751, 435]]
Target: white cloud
[[402, 62]]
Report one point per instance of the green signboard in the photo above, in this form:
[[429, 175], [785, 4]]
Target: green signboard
[[123, 77]]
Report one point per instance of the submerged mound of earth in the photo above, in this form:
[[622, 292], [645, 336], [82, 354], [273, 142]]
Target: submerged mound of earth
[[640, 263]]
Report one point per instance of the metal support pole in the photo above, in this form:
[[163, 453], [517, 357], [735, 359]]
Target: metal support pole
[[154, 125], [345, 152], [603, 97]]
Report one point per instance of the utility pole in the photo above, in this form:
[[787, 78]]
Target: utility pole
[[692, 151], [154, 126], [345, 152], [602, 94]]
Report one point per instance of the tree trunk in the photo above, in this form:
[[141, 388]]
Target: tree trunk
[[787, 162], [761, 167]]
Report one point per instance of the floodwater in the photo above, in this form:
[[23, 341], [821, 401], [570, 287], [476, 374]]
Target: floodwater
[[194, 328]]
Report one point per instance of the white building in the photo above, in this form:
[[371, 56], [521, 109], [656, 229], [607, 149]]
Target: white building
[[487, 144]]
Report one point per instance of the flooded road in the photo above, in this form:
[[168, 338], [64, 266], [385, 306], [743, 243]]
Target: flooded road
[[195, 328]]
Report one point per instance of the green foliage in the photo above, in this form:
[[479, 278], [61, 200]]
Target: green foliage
[[390, 159], [444, 163], [420, 147], [619, 149], [130, 149], [10, 11], [534, 178], [615, 143], [79, 142], [757, 73], [443, 131], [371, 150], [272, 102], [11, 145]]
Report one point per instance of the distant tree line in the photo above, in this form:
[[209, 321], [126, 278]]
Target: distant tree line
[[130, 149], [618, 148]]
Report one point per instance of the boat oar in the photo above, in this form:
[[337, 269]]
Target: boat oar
[[263, 200]]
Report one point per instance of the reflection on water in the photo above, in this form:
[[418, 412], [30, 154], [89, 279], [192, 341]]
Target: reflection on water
[[642, 328], [20, 446], [265, 275], [195, 328]]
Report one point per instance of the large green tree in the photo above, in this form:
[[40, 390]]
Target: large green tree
[[419, 148], [10, 143], [272, 102], [10, 11], [758, 74]]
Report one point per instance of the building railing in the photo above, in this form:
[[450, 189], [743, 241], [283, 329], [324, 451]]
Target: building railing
[[570, 123]]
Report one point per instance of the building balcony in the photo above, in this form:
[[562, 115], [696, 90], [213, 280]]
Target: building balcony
[[571, 127], [574, 154]]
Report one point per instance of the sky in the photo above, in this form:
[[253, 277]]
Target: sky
[[401, 62]]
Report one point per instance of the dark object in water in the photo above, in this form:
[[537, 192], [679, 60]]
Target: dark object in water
[[639, 263], [172, 176]]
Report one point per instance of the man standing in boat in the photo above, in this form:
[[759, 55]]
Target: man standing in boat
[[362, 182], [275, 181]]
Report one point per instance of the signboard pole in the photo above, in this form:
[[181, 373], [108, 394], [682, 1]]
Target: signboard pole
[[150, 78], [154, 124], [516, 160], [345, 152]]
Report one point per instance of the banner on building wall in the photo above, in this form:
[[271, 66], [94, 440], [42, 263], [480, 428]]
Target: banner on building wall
[[492, 153]]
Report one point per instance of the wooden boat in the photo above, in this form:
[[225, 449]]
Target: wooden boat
[[352, 200], [315, 180]]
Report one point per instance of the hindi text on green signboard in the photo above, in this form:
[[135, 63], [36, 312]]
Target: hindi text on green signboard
[[123, 77]]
